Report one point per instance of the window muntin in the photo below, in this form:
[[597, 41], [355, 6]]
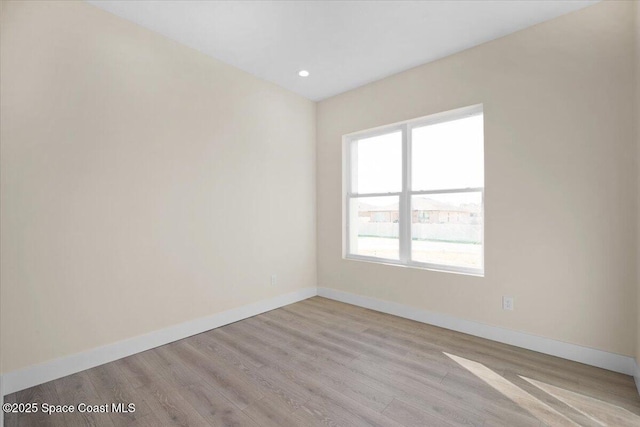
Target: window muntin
[[415, 193]]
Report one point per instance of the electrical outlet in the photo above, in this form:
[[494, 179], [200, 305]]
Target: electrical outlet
[[507, 303], [274, 280]]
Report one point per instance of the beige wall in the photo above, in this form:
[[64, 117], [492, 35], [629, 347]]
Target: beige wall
[[143, 183], [558, 138]]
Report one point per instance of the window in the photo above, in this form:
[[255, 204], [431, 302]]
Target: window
[[414, 193]]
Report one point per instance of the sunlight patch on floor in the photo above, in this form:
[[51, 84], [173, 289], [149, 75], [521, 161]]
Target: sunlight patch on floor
[[537, 408], [601, 412]]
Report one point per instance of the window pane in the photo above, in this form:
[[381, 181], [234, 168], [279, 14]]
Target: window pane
[[448, 155], [374, 228], [377, 164], [447, 229]]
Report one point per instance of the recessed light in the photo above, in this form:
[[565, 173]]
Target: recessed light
[[303, 73]]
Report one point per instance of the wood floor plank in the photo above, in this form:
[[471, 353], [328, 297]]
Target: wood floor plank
[[357, 391], [204, 398], [346, 313], [10, 419], [208, 342], [214, 407], [254, 342], [132, 368], [228, 382], [270, 412], [324, 363], [553, 365], [410, 416], [337, 377], [292, 319], [255, 327], [168, 406], [313, 340], [238, 346], [553, 402], [113, 387], [289, 395], [333, 408], [476, 395], [149, 420], [44, 393], [422, 393], [79, 388], [322, 320], [324, 402]]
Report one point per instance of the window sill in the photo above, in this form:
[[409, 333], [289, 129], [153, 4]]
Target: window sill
[[419, 266]]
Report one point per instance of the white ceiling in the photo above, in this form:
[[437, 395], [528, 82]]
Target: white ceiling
[[343, 44]]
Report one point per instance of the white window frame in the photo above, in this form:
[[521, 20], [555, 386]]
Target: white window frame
[[405, 195]]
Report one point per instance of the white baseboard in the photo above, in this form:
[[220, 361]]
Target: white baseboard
[[39, 374], [586, 355], [636, 375]]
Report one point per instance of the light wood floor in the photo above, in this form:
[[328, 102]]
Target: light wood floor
[[324, 363]]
